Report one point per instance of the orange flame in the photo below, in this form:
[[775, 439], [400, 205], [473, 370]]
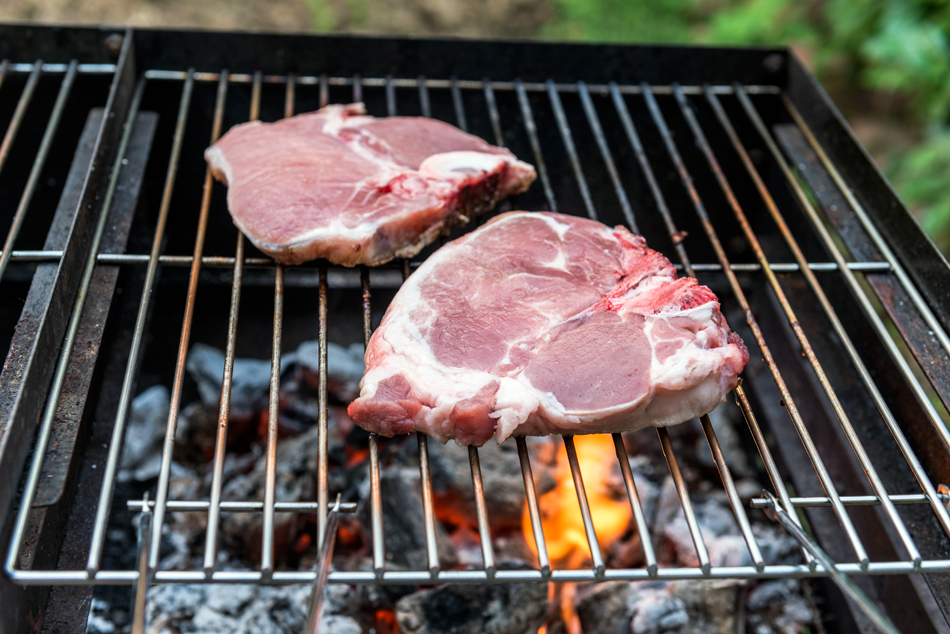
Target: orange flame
[[561, 518]]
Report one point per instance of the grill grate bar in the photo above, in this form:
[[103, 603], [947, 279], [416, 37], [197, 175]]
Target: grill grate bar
[[54, 69], [323, 499], [592, 542], [532, 130], [428, 508], [227, 262], [161, 495], [867, 307], [683, 494], [376, 504], [493, 114], [125, 398], [643, 530], [932, 322], [534, 512], [803, 433], [273, 404], [730, 487], [846, 425], [481, 512], [458, 105], [594, 121], [856, 500], [463, 84], [22, 104], [40, 160], [221, 438], [568, 140]]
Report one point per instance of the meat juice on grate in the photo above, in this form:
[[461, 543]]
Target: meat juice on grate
[[685, 607]]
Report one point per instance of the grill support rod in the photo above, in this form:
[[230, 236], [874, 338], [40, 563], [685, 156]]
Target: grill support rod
[[161, 495], [220, 443]]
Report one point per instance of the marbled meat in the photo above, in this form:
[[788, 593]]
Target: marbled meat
[[541, 323], [355, 189]]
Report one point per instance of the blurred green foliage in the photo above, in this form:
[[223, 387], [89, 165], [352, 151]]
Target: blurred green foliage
[[860, 49]]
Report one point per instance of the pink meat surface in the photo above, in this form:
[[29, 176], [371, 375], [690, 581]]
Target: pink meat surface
[[541, 323], [354, 189]]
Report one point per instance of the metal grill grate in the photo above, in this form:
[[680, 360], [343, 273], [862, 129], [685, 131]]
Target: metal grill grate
[[601, 134]]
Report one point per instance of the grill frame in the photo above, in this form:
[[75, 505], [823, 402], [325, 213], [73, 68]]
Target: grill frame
[[546, 69]]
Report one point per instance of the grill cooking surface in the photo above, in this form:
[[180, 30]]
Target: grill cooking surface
[[728, 180]]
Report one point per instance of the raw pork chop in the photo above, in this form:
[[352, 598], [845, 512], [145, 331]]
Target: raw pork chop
[[541, 323], [355, 189]]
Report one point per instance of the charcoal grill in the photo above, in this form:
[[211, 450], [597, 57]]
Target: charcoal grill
[[732, 161]]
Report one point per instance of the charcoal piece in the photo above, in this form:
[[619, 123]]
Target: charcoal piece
[[296, 481], [501, 477], [713, 606], [656, 610], [344, 367], [607, 608], [143, 435], [503, 608], [249, 382], [404, 520], [381, 597]]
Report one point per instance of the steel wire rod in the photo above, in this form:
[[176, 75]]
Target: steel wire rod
[[376, 503], [534, 511], [128, 381], [20, 112], [38, 163], [221, 438], [568, 139], [532, 129], [643, 528], [804, 435], [458, 104], [168, 443], [493, 115]]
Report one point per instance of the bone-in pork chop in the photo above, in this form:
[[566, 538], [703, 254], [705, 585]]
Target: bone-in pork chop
[[354, 189], [541, 323]]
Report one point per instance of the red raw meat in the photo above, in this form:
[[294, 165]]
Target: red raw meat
[[354, 189], [541, 323]]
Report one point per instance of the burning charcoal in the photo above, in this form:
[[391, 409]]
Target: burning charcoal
[[607, 608], [143, 436], [713, 606], [296, 473], [249, 383], [344, 367], [501, 477], [401, 494], [475, 609], [656, 610]]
